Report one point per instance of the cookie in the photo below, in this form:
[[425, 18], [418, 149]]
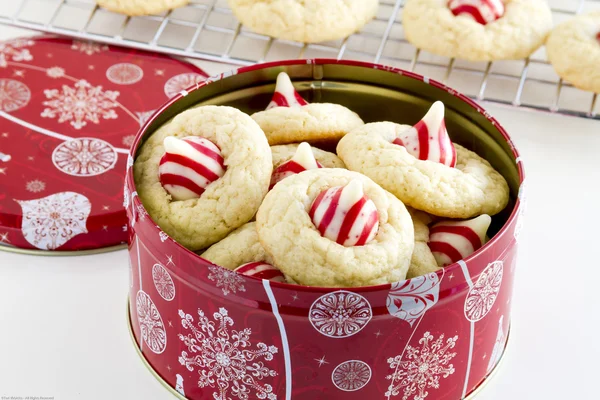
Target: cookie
[[141, 7], [225, 203], [239, 247], [335, 228], [422, 261], [477, 30], [308, 21], [291, 159], [469, 189], [573, 49], [289, 119]]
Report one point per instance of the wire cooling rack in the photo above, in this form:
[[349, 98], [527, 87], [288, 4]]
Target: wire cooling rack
[[206, 29]]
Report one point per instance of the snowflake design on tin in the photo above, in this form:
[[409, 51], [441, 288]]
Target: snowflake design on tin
[[163, 236], [13, 95], [15, 51], [163, 282], [421, 368], [35, 186], [151, 324], [128, 140], [124, 74], [84, 157], [143, 117], [80, 104], [340, 314], [51, 221], [55, 72], [482, 295], [180, 82], [351, 376], [89, 48], [224, 358], [228, 281]]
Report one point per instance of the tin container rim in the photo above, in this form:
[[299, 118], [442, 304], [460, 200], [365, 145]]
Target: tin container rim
[[350, 63]]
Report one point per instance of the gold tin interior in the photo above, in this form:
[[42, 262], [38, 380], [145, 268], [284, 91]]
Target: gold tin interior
[[375, 94]]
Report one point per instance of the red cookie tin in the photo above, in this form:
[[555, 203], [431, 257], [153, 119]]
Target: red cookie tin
[[69, 111], [208, 332]]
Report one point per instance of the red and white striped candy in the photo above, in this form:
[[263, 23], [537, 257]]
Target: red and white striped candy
[[482, 11], [345, 215], [261, 270], [189, 166], [303, 160], [428, 139], [451, 241], [285, 94]]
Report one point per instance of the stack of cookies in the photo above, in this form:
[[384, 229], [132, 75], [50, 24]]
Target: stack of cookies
[[253, 194]]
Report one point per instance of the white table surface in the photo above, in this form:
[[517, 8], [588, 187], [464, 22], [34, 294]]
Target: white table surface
[[63, 329]]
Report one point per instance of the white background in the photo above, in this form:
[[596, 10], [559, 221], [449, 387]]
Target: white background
[[63, 329]]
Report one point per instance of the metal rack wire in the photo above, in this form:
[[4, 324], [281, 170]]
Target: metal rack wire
[[206, 29]]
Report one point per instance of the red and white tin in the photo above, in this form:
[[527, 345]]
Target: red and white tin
[[212, 333], [69, 111]]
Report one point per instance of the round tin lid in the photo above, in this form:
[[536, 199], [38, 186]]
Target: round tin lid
[[69, 110]]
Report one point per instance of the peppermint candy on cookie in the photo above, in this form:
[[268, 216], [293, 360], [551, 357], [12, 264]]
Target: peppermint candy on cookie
[[303, 160], [189, 166], [451, 241], [428, 139], [285, 94], [261, 270], [345, 215], [288, 118], [481, 11]]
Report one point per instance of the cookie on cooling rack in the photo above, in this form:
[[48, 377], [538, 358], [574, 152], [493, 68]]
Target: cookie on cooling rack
[[477, 30], [424, 169], [573, 48], [204, 174], [332, 227], [307, 21], [289, 118], [141, 7]]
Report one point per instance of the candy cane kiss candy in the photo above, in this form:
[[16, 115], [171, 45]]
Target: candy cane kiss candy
[[261, 270], [451, 241], [285, 94], [345, 215], [189, 166], [303, 160], [482, 11], [428, 139]]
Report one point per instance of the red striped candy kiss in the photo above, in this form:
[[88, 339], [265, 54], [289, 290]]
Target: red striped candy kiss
[[345, 215], [261, 270], [303, 160], [285, 95], [482, 11], [428, 139], [189, 166], [451, 241]]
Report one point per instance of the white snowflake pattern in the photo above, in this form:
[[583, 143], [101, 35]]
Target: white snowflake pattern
[[55, 72], [80, 104], [35, 186], [180, 82], [420, 368], [228, 281], [51, 221], [15, 51], [340, 314], [163, 282], [151, 324], [89, 48], [351, 375], [124, 74], [144, 116], [224, 358], [13, 95], [482, 295], [128, 140], [84, 157]]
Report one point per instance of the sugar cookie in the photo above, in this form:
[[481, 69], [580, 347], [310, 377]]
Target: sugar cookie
[[140, 7]]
